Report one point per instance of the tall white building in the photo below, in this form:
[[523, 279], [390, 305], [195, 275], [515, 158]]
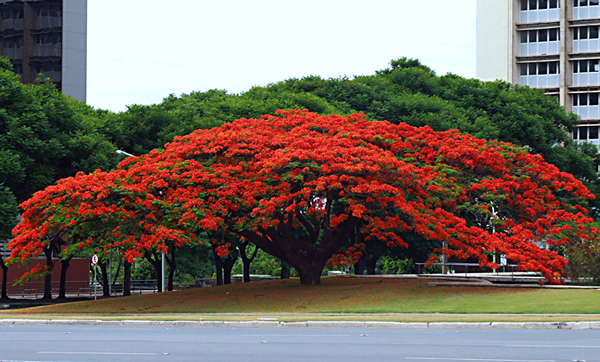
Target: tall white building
[[47, 37], [548, 44]]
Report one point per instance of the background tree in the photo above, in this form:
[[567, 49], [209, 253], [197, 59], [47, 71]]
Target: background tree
[[8, 212], [44, 136]]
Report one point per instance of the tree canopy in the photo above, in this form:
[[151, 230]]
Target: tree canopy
[[406, 91], [301, 186]]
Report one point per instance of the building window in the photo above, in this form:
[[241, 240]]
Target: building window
[[539, 42], [584, 133], [585, 105], [540, 75], [49, 17], [585, 99], [586, 9], [48, 44], [12, 19], [585, 32], [542, 35], [586, 39], [586, 66], [536, 11], [533, 36], [13, 47], [49, 69], [539, 4], [532, 69], [541, 68]]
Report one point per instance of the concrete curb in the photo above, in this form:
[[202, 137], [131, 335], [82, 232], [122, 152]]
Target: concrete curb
[[307, 324]]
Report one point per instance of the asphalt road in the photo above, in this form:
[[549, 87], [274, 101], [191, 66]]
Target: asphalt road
[[169, 344]]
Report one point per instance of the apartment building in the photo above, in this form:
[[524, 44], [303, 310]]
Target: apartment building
[[549, 44], [46, 37]]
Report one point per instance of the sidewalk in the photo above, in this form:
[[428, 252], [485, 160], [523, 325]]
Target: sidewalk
[[307, 324]]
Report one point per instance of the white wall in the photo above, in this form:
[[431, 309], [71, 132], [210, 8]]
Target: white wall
[[74, 52], [493, 34]]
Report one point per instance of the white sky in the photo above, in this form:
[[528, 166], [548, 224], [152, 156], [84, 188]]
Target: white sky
[[140, 51]]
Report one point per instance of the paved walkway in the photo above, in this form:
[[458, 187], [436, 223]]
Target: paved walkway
[[307, 324]]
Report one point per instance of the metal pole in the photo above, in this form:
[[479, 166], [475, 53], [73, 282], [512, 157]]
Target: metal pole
[[493, 232], [95, 282], [444, 258]]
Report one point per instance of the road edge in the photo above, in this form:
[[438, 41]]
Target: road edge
[[307, 324]]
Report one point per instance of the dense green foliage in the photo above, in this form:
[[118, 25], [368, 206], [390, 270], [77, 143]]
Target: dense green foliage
[[8, 212], [44, 136]]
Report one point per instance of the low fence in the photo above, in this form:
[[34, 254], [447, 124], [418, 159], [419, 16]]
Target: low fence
[[466, 268], [88, 288], [80, 288]]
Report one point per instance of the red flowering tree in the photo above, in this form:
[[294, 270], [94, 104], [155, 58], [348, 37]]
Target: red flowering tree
[[100, 212], [300, 185]]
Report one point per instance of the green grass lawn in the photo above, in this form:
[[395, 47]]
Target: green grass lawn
[[343, 299]]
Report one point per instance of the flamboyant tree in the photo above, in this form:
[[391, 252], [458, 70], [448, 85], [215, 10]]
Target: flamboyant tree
[[301, 185], [101, 213]]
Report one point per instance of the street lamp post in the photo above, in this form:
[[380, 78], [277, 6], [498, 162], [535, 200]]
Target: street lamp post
[[121, 152], [162, 262]]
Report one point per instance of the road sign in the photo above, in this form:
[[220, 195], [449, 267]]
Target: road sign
[[95, 259]]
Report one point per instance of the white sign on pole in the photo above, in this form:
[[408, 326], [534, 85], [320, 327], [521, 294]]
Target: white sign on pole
[[503, 260], [95, 259]]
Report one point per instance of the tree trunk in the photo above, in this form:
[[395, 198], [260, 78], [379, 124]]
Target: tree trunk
[[116, 276], [62, 290], [310, 269], [4, 279], [172, 267], [227, 266], [105, 281], [218, 266], [359, 267], [308, 256], [127, 279], [48, 277], [157, 264], [285, 270], [246, 260], [371, 264]]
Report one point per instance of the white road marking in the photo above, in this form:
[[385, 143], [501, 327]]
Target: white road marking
[[102, 353], [477, 359], [296, 335]]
